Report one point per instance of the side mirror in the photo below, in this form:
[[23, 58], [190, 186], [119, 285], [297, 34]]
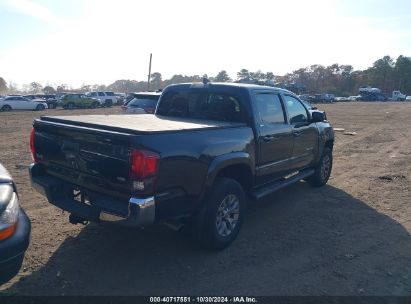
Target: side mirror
[[318, 116]]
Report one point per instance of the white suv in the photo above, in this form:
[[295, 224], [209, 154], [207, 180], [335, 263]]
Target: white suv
[[107, 99]]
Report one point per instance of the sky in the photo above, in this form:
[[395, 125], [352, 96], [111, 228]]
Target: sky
[[78, 42]]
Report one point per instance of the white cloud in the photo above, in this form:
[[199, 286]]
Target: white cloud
[[33, 9]]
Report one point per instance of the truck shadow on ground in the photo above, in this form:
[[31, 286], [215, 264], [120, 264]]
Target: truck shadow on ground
[[298, 241]]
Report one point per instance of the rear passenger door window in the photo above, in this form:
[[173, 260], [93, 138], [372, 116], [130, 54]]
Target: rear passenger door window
[[296, 111], [269, 108]]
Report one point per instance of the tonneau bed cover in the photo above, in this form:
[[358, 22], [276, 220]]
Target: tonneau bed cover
[[139, 124]]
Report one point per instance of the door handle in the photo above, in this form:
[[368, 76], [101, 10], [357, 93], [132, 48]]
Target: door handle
[[269, 138]]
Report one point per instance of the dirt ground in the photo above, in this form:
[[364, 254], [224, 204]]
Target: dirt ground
[[351, 237]]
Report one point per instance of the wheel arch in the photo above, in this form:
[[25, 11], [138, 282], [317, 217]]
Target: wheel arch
[[6, 105], [238, 166]]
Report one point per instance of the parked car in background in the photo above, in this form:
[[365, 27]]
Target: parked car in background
[[398, 96], [408, 98], [368, 89], [106, 99], [372, 97], [48, 98], [121, 97], [308, 105], [72, 101], [306, 97], [142, 103], [324, 98], [10, 103], [342, 99], [14, 228], [354, 98]]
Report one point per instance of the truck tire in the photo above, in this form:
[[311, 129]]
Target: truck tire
[[221, 218], [323, 170]]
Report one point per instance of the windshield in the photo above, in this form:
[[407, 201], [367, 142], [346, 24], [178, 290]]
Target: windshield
[[197, 104]]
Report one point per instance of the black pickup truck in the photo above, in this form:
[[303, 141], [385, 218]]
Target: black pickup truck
[[208, 148]]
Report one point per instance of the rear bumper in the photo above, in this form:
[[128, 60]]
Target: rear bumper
[[13, 248], [135, 212]]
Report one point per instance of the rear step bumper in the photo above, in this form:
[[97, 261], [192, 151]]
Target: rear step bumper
[[136, 212]]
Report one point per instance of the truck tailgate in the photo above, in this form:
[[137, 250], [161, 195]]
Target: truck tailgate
[[93, 159]]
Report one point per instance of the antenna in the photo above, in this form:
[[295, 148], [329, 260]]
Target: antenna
[[149, 73]]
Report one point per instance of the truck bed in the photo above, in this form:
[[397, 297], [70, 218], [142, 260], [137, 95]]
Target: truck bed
[[139, 124]]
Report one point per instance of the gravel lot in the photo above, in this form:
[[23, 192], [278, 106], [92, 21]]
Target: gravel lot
[[351, 237]]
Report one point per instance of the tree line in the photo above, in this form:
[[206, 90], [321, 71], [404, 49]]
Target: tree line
[[386, 73]]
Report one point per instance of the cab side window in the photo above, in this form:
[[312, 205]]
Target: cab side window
[[269, 108], [296, 111]]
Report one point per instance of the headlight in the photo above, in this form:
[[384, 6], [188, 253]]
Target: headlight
[[9, 217]]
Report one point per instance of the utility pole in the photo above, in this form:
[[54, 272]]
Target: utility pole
[[149, 73]]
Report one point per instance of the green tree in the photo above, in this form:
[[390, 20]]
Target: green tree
[[269, 76], [243, 73], [49, 90], [380, 74], [258, 75], [222, 76], [35, 88], [85, 88], [62, 88], [156, 81], [402, 76]]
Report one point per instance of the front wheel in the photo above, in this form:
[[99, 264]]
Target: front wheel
[[323, 170], [223, 213], [70, 106]]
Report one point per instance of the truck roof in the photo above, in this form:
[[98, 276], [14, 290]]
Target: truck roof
[[246, 86], [146, 93]]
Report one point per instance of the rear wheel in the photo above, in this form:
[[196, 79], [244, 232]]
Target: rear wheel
[[108, 103], [220, 221], [323, 170], [40, 107], [5, 108]]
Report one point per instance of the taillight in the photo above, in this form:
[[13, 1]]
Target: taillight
[[32, 148], [143, 169]]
